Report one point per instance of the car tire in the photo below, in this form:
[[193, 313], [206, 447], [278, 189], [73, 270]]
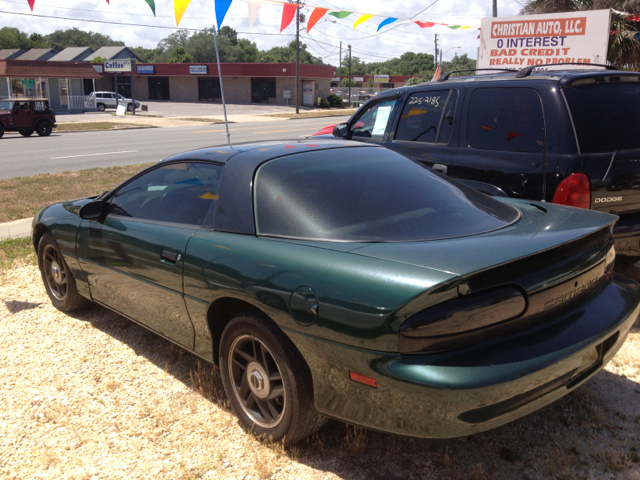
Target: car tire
[[44, 128], [101, 107], [1, 131], [57, 277], [129, 107], [258, 361], [25, 133]]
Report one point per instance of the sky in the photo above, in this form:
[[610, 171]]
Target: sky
[[323, 40]]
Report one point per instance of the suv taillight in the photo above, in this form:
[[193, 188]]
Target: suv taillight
[[575, 191]]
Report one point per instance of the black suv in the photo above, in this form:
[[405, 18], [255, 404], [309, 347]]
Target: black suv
[[568, 137]]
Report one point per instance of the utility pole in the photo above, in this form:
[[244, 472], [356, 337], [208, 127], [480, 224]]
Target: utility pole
[[298, 58], [349, 75], [340, 61], [435, 59], [495, 8]]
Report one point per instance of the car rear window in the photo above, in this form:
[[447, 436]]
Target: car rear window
[[605, 114], [368, 195]]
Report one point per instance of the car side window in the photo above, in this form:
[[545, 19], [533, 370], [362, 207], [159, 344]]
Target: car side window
[[448, 120], [509, 119], [99, 95], [176, 193], [372, 122], [421, 116]]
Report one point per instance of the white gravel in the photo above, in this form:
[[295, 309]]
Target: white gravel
[[92, 395]]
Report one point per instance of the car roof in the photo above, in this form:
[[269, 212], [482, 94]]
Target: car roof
[[565, 76], [264, 151]]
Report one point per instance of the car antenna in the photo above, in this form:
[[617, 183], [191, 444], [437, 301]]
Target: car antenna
[[224, 105]]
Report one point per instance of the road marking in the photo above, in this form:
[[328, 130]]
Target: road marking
[[95, 154]]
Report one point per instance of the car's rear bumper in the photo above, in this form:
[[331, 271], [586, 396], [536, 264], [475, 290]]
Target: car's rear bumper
[[467, 391]]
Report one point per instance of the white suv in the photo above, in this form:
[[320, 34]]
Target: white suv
[[106, 100]]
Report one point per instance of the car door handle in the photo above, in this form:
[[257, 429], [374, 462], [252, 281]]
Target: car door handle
[[439, 168], [170, 257]]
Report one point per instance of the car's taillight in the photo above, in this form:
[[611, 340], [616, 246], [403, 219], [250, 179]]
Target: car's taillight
[[575, 191], [447, 325]]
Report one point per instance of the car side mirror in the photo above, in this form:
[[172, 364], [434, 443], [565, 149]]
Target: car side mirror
[[341, 130], [93, 210]]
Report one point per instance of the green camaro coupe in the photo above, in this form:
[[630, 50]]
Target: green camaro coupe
[[343, 280]]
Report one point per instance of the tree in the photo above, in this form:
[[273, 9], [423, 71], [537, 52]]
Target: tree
[[288, 54], [414, 81], [99, 60], [14, 38], [180, 55], [624, 45], [345, 82], [357, 66], [74, 37]]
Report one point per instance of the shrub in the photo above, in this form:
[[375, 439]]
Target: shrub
[[335, 101], [325, 104]]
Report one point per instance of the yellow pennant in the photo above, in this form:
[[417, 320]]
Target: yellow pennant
[[362, 19], [180, 6]]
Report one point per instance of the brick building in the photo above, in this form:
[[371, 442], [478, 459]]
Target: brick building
[[244, 83]]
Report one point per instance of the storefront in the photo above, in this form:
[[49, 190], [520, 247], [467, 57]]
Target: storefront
[[66, 84], [244, 83]]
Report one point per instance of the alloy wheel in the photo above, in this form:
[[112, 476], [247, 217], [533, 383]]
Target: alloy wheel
[[55, 272], [257, 381]]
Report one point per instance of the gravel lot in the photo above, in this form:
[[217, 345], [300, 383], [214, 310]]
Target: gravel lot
[[92, 395]]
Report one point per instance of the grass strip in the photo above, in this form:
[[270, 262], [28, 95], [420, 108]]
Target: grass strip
[[93, 126], [23, 197], [16, 250]]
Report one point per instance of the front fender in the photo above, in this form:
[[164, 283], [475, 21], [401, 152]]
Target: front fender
[[62, 220]]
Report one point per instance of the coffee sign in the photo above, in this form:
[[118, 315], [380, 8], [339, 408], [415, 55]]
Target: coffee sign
[[117, 66]]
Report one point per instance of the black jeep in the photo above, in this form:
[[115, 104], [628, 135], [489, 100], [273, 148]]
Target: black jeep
[[569, 137], [26, 115]]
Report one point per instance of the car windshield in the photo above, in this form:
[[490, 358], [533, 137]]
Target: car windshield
[[120, 97], [6, 105], [603, 113], [368, 195]]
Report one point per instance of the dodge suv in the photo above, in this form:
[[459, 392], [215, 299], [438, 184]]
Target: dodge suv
[[568, 137]]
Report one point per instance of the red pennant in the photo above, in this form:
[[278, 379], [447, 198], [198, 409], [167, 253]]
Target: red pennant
[[31, 3], [632, 18], [288, 12], [424, 24], [512, 135], [486, 129], [316, 15]]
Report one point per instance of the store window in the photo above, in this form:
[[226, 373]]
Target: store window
[[209, 90], [159, 88], [263, 90]]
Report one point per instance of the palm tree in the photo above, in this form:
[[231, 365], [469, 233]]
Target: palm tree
[[624, 44]]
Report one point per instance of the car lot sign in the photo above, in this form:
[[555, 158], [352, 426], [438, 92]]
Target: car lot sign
[[517, 42], [113, 66], [381, 79]]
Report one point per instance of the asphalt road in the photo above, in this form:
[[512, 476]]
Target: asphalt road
[[21, 157]]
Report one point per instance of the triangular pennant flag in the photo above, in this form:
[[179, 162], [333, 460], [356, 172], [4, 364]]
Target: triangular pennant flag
[[316, 15], [288, 12], [424, 24], [222, 7], [362, 19], [385, 22], [108, 2], [31, 3], [512, 135], [179, 7], [254, 9], [151, 3], [341, 14], [453, 27], [486, 129], [436, 75]]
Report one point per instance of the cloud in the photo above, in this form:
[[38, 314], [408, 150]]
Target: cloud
[[323, 41]]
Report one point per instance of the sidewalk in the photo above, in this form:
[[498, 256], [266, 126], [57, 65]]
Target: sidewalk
[[16, 229]]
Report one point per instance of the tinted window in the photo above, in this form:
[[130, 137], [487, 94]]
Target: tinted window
[[99, 95], [606, 115], [448, 120], [372, 122], [368, 195], [421, 116], [506, 119], [177, 193]]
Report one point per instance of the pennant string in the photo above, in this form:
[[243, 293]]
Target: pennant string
[[316, 15], [288, 12], [386, 22]]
